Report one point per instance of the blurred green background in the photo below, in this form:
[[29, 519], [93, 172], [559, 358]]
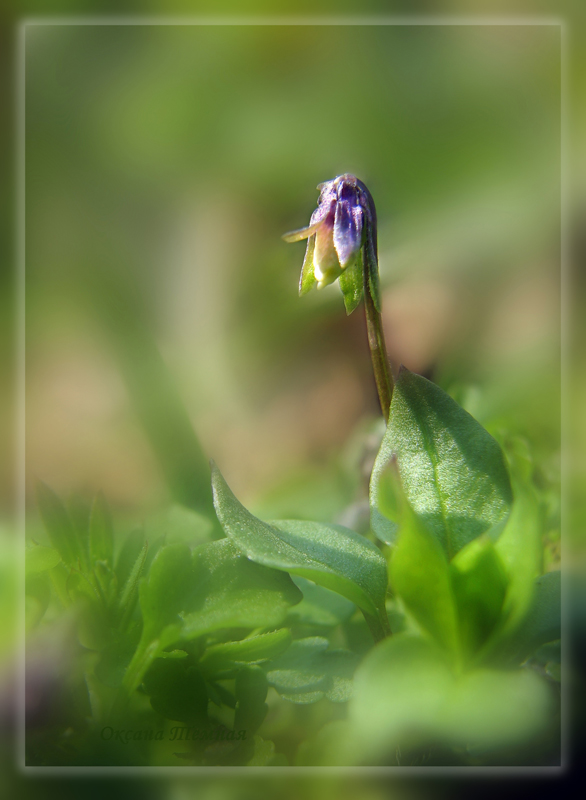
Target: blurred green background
[[163, 164]]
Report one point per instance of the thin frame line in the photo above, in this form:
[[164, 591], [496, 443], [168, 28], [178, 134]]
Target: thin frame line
[[456, 21]]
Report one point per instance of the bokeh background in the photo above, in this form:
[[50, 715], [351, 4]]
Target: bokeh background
[[164, 163]]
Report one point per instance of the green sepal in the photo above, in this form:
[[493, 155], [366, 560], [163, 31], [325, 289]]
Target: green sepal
[[352, 284], [307, 280]]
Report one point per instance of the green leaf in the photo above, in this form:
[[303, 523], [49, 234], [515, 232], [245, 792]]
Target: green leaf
[[329, 555], [319, 606], [181, 524], [352, 284], [254, 649], [101, 531], [129, 592], [130, 551], [188, 595], [230, 591], [115, 658], [58, 525], [264, 754], [543, 621], [452, 470], [308, 671], [519, 548], [307, 280], [79, 513], [177, 690], [40, 559], [420, 575], [479, 582], [251, 689], [405, 694]]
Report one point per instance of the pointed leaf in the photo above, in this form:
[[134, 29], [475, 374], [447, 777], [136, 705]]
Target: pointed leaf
[[542, 623], [420, 574], [130, 551], [101, 531], [452, 470], [130, 590], [479, 582], [329, 555], [519, 547], [58, 524]]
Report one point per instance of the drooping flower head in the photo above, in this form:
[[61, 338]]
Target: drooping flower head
[[341, 240]]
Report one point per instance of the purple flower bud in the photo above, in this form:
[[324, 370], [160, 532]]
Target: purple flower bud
[[343, 220], [348, 224]]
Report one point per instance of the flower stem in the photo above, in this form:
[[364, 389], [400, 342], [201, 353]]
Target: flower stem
[[378, 351]]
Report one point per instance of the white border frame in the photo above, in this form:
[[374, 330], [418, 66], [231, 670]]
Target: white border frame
[[283, 771]]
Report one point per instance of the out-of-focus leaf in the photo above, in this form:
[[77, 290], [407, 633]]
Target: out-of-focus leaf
[[308, 671], [254, 649], [319, 606], [129, 552], [453, 471], [420, 573], [58, 525], [79, 513], [188, 595], [177, 690], [479, 583], [329, 555], [37, 597], [519, 548], [251, 691], [115, 658], [405, 693], [543, 621], [101, 531], [230, 591], [179, 523], [129, 592], [39, 559], [163, 595]]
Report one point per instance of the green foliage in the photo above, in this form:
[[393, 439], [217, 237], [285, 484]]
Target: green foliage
[[329, 555], [453, 471], [40, 559], [229, 656], [405, 691], [308, 671], [320, 607], [189, 594]]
